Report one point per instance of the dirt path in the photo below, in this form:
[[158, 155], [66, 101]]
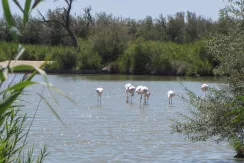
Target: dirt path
[[23, 62]]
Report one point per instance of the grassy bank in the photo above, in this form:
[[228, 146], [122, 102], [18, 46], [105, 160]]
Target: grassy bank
[[139, 57]]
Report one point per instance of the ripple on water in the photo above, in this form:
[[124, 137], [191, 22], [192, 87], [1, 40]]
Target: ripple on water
[[116, 131]]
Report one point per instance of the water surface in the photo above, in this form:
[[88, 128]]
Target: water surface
[[116, 131]]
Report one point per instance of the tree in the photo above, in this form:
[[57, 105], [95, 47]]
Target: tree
[[84, 23], [175, 27], [160, 27], [62, 17], [191, 27], [220, 116], [131, 25], [110, 37], [146, 29]]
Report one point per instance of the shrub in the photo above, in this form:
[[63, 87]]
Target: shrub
[[87, 58], [65, 57], [165, 58]]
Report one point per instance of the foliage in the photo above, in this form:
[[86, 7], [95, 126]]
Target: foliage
[[12, 133], [63, 57], [108, 39], [12, 123], [60, 18], [32, 52], [52, 29], [66, 58], [166, 58], [220, 115], [88, 59]]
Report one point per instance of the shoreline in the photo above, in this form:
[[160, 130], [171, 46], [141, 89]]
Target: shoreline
[[39, 63]]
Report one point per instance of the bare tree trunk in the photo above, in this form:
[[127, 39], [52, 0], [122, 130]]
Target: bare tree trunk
[[65, 23], [73, 38]]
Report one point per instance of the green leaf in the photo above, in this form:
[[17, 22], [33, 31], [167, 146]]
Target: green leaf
[[26, 11], [7, 13], [36, 3], [52, 109], [34, 73], [8, 101], [41, 71], [4, 74], [49, 88], [29, 67], [59, 91], [21, 50], [17, 3], [19, 86], [22, 68]]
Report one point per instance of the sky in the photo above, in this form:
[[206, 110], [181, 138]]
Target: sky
[[136, 9]]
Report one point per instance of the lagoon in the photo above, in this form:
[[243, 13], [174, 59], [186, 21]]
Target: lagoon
[[116, 131]]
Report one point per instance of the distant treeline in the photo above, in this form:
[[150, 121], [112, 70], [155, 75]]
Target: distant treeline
[[170, 45]]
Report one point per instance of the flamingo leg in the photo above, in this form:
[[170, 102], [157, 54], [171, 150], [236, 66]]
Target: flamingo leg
[[126, 96]]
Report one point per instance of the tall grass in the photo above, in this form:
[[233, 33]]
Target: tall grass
[[63, 57], [12, 123], [165, 58]]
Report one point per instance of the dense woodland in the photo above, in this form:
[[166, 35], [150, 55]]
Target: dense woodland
[[167, 45]]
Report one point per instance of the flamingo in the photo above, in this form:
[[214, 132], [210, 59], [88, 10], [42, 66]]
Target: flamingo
[[147, 95], [204, 88], [143, 90], [138, 91], [171, 94], [130, 89], [99, 93]]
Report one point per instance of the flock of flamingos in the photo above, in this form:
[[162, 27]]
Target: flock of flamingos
[[143, 90]]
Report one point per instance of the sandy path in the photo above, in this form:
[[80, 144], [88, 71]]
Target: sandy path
[[19, 62]]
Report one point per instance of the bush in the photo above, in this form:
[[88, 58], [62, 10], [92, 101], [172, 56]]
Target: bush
[[165, 58], [7, 50], [88, 59], [141, 57], [32, 52], [65, 57], [220, 115]]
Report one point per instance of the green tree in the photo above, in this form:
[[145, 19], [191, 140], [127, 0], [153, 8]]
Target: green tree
[[191, 27], [220, 116], [110, 37], [160, 27], [175, 27]]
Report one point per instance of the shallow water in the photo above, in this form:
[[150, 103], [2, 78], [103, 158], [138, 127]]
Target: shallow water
[[116, 131]]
